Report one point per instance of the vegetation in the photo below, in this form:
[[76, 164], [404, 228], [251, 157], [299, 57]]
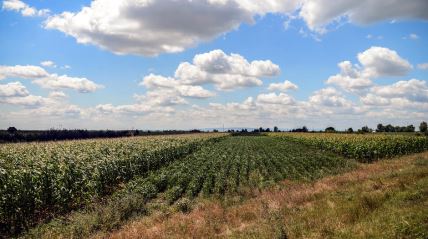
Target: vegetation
[[386, 199], [38, 179], [75, 189], [14, 135], [365, 148], [390, 128], [222, 169]]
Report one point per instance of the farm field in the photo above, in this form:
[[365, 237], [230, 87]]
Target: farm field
[[38, 179], [95, 187]]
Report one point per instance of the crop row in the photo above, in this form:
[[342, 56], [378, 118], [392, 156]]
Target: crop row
[[236, 162], [38, 179], [364, 147], [218, 168]]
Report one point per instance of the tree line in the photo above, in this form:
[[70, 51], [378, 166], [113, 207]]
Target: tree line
[[365, 129], [14, 135]]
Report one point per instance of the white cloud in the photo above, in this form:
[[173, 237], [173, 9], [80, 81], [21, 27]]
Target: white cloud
[[133, 109], [57, 95], [151, 27], [318, 14], [380, 61], [412, 90], [28, 100], [350, 78], [160, 98], [46, 80], [56, 82], [48, 64], [375, 62], [283, 87], [272, 98], [23, 8], [423, 66], [329, 97], [157, 82], [23, 72], [226, 72], [13, 89]]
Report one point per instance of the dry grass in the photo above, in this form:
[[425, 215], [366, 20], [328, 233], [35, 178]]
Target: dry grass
[[341, 206]]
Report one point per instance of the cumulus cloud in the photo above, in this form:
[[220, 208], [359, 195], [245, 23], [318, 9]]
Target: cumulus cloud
[[320, 13], [152, 27], [272, 98], [13, 89], [283, 87], [374, 62], [413, 90], [46, 80], [226, 72], [350, 78], [23, 8], [55, 82], [28, 100], [132, 109], [381, 61], [23, 72], [329, 97], [157, 82]]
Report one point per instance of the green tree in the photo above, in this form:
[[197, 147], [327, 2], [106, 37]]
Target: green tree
[[366, 129], [330, 130], [12, 130], [380, 128], [423, 127]]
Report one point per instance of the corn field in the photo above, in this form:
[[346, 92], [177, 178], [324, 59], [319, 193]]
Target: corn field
[[235, 163], [39, 179], [364, 147]]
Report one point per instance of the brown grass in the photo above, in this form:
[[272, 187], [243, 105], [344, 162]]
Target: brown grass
[[268, 212]]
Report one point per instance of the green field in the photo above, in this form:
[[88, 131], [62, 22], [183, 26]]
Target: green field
[[80, 188]]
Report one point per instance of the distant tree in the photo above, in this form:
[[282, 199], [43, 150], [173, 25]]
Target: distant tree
[[267, 130], [330, 130], [380, 128], [304, 129], [366, 129], [261, 129], [423, 127], [410, 128], [275, 129], [389, 128], [215, 131], [12, 130], [350, 130]]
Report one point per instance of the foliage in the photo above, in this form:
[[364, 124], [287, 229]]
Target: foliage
[[14, 135], [423, 127], [363, 147], [222, 169], [38, 179]]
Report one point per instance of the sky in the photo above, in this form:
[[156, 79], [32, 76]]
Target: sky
[[182, 64]]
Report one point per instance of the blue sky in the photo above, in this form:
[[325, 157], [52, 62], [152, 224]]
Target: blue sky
[[306, 53]]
